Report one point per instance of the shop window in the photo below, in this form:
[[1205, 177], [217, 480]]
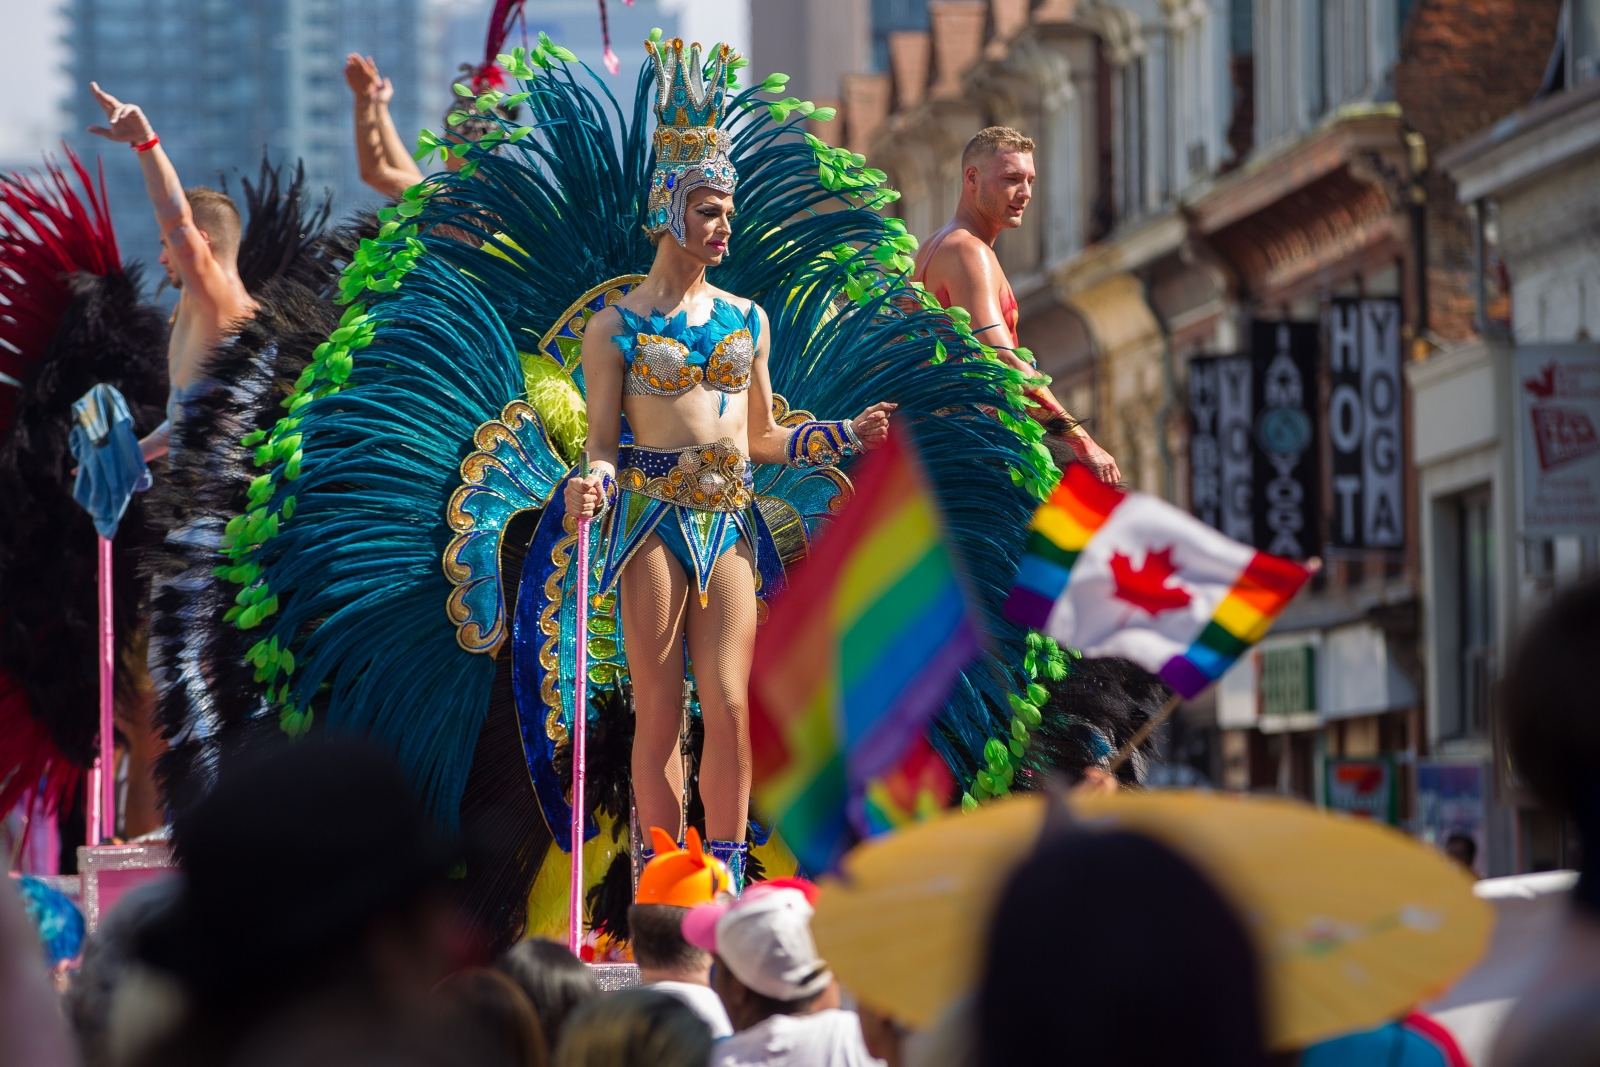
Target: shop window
[[1288, 680]]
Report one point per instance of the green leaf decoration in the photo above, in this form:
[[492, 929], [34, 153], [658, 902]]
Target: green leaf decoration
[[822, 114]]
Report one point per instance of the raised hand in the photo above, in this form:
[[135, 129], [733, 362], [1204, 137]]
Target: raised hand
[[128, 124], [364, 80], [872, 425]]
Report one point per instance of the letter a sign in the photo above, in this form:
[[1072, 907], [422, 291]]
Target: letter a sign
[[1364, 420]]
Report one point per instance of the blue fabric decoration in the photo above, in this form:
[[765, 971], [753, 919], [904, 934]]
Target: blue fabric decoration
[[55, 918], [110, 466]]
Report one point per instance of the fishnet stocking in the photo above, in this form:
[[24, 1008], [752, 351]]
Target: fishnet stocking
[[654, 594], [722, 638], [655, 601]]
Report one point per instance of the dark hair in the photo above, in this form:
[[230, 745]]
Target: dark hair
[[656, 931], [501, 1010], [1550, 706], [330, 823], [1132, 933], [635, 1028], [1465, 845], [554, 980]]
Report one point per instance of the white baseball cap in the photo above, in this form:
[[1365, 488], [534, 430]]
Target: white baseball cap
[[764, 937]]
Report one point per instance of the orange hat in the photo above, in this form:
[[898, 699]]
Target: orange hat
[[681, 876]]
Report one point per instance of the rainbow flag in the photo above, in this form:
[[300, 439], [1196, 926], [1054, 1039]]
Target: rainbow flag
[[855, 657], [1129, 575]]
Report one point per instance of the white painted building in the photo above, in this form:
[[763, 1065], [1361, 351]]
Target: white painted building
[[1492, 554]]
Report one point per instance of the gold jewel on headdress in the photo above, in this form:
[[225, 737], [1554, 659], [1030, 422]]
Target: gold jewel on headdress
[[691, 148]]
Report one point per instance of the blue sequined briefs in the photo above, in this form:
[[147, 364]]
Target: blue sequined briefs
[[698, 500]]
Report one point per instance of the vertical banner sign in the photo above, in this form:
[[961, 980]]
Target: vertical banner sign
[[1286, 501], [1221, 451], [1558, 392], [1364, 424]]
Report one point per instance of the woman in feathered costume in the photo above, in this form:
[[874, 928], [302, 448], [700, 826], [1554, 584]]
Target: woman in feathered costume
[[403, 563], [686, 363]]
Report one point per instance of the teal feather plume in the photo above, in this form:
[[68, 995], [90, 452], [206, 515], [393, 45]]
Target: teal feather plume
[[343, 559]]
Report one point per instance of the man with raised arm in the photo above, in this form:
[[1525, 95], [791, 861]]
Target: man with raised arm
[[382, 157], [199, 251], [958, 266]]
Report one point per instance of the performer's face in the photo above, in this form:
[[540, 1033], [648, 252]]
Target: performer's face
[[1004, 184], [173, 277], [708, 225]]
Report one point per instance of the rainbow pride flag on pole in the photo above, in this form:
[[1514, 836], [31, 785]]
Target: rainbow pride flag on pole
[[1129, 575], [857, 655]]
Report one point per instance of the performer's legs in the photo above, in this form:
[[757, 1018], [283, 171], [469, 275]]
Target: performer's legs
[[654, 593], [722, 637]]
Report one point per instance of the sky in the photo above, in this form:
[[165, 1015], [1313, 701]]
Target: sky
[[34, 86]]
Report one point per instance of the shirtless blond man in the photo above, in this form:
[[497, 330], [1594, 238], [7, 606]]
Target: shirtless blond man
[[200, 231], [958, 266]]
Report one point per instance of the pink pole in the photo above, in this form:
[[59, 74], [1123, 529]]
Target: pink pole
[[580, 728], [107, 773]]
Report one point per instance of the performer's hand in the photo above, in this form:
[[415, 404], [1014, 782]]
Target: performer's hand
[[1097, 459], [363, 78], [128, 124], [872, 425], [584, 496]]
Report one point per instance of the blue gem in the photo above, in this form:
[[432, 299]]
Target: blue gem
[[672, 181]]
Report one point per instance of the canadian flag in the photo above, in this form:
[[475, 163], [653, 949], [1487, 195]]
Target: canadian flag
[[1129, 575]]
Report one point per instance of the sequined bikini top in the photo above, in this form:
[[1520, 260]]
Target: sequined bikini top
[[665, 357]]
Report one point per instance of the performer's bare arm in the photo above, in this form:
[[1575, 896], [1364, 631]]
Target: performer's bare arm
[[970, 273], [202, 276], [768, 440], [381, 155], [602, 381], [211, 296]]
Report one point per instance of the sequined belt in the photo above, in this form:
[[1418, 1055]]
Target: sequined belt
[[714, 477]]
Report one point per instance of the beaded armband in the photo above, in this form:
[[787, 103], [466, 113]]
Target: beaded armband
[[608, 493], [822, 444]]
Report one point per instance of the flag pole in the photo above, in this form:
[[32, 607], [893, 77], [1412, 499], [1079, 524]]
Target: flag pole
[[1151, 725], [580, 725], [102, 824]]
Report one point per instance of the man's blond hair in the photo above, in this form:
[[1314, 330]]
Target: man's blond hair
[[215, 213], [992, 139]]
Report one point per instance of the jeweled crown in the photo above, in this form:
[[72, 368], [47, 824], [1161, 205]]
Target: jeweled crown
[[689, 103], [691, 147]]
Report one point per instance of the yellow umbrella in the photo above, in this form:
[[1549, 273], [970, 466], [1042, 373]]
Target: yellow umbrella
[[1354, 922]]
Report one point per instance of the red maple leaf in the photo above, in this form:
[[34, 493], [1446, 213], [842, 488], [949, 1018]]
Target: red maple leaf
[[1147, 586], [1544, 386]]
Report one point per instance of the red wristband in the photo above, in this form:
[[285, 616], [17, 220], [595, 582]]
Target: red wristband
[[151, 143]]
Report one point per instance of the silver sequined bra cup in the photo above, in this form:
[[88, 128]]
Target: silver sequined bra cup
[[666, 357]]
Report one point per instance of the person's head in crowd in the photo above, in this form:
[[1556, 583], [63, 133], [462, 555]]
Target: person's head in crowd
[[1145, 963], [1463, 849], [676, 880], [634, 1028], [477, 123], [766, 962], [116, 1004], [1551, 710], [308, 872], [217, 218], [554, 980], [501, 1010]]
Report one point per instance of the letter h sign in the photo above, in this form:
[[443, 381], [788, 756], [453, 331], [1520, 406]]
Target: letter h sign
[[1364, 424]]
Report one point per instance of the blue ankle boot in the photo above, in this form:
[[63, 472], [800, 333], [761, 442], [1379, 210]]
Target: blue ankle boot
[[732, 853]]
